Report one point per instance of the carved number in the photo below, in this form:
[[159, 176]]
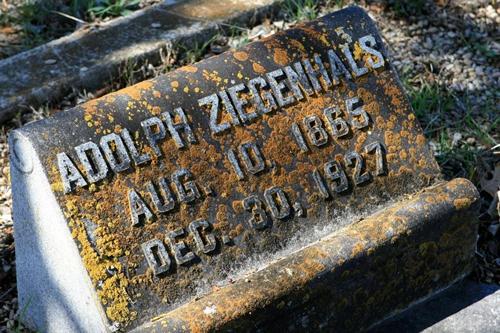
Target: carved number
[[379, 149], [315, 131], [250, 155], [335, 172], [256, 207], [360, 175], [339, 126], [335, 177], [277, 202], [363, 119]]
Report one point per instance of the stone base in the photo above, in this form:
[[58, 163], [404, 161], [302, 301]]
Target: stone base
[[351, 279]]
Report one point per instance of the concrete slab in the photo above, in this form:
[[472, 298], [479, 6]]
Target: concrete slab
[[87, 58], [467, 306]]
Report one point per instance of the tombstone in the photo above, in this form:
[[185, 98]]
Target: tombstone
[[237, 191]]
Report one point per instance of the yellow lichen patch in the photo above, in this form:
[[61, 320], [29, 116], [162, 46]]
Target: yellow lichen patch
[[189, 69], [422, 163], [240, 55], [212, 76], [90, 107], [109, 99], [156, 110], [357, 249], [104, 268], [403, 155], [358, 52], [174, 84], [462, 203], [298, 45], [324, 40], [393, 141], [71, 207], [57, 186]]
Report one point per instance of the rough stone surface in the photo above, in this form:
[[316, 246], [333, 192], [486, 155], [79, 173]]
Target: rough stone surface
[[472, 24], [85, 59], [181, 196], [351, 278]]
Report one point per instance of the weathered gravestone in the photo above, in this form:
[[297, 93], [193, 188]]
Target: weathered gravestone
[[143, 209]]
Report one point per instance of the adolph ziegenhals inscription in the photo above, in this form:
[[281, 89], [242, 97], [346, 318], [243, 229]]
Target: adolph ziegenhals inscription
[[159, 190]]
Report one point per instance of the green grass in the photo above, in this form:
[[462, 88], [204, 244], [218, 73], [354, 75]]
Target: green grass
[[456, 160], [301, 10], [128, 73], [113, 8], [21, 317], [194, 51], [430, 103], [241, 35], [442, 114], [131, 72]]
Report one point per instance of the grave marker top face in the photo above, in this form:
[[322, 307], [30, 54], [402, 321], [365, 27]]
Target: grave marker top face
[[170, 183]]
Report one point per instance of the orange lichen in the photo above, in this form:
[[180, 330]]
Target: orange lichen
[[258, 68], [420, 140], [240, 55], [280, 57], [462, 203], [189, 69], [135, 91]]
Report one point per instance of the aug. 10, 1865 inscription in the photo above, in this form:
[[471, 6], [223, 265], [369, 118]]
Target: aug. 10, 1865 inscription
[[169, 184]]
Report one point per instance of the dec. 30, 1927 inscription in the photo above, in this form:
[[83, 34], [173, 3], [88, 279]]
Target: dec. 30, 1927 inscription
[[170, 184]]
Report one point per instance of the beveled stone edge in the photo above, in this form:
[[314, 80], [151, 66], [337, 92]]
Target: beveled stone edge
[[54, 289]]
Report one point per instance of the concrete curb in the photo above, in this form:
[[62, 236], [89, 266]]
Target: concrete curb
[[466, 306], [87, 58]]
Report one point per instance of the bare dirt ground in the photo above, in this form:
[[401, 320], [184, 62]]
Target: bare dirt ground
[[447, 55]]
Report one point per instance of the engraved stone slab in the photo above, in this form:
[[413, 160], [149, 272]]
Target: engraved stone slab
[[164, 187]]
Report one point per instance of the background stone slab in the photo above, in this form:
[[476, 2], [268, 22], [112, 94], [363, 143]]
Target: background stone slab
[[84, 59], [467, 306]]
